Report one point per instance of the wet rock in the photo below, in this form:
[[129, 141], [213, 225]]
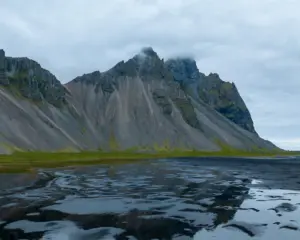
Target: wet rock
[[274, 199], [33, 214], [232, 192], [161, 213], [252, 209], [248, 228], [290, 227], [11, 181], [284, 207], [206, 202], [246, 180]]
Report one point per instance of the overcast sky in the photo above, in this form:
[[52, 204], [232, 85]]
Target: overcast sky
[[254, 43]]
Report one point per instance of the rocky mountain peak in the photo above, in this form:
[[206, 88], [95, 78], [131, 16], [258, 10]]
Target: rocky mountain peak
[[89, 78], [2, 58], [184, 70], [147, 58], [137, 104], [144, 64], [3, 78], [25, 77], [214, 75], [148, 51], [225, 98]]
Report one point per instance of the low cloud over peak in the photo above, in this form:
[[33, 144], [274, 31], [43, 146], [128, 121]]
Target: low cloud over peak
[[254, 44]]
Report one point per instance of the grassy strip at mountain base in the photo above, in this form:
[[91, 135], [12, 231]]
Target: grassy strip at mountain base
[[29, 161]]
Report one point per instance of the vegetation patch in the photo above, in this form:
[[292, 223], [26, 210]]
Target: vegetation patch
[[188, 112], [29, 161]]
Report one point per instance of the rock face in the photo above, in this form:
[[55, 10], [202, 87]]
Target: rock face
[[144, 103], [3, 78], [27, 78], [225, 98], [222, 96], [184, 70]]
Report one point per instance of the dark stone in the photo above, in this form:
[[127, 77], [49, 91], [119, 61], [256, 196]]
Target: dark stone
[[3, 79], [184, 70], [162, 101], [222, 96], [188, 112], [225, 98], [285, 207], [28, 79], [242, 228], [149, 67], [290, 227]]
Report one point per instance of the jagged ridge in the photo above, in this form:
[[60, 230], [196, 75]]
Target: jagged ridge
[[26, 77], [139, 103], [222, 96]]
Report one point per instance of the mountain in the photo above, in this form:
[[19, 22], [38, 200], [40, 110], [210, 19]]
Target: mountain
[[222, 96], [143, 103]]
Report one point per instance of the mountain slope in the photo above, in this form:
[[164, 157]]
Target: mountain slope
[[222, 96], [136, 104]]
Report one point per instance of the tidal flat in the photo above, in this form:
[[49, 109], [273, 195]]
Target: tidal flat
[[24, 161], [180, 198]]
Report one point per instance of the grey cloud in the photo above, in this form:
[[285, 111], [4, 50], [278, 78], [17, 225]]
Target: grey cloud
[[252, 43]]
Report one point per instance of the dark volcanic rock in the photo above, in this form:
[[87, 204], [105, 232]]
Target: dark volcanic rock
[[225, 98], [90, 78], [249, 229], [27, 78], [148, 67], [222, 96], [184, 70], [3, 78], [285, 207], [143, 104]]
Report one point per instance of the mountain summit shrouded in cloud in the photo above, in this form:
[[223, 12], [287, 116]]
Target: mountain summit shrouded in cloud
[[143, 103], [252, 44]]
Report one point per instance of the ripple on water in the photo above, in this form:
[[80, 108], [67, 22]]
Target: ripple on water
[[264, 223], [92, 206], [29, 226], [75, 233], [168, 199]]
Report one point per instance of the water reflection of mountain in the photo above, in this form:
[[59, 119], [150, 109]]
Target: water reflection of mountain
[[160, 208]]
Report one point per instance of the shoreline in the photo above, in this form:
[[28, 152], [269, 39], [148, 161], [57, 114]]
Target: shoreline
[[20, 162]]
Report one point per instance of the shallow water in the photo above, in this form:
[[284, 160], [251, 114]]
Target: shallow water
[[161, 199]]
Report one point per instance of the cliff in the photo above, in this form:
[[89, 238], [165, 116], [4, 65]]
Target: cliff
[[143, 103]]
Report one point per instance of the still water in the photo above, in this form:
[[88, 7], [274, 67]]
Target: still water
[[162, 199]]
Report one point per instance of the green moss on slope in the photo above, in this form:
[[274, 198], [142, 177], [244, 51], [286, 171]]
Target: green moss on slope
[[188, 112], [28, 79], [225, 98], [28, 161]]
